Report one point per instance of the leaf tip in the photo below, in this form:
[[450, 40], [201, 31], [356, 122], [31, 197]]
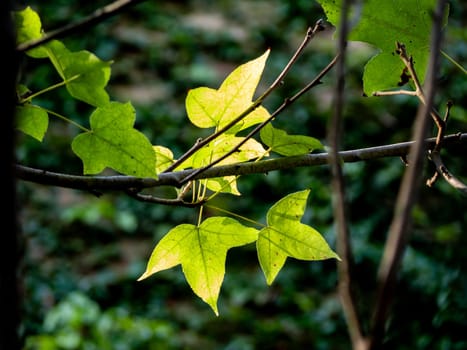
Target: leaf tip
[[143, 276]]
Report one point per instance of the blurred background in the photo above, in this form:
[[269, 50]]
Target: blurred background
[[82, 254]]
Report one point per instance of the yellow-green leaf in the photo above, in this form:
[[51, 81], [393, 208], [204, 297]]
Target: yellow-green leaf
[[29, 27], [208, 107], [86, 75], [32, 120], [285, 236], [202, 251], [114, 143], [164, 158]]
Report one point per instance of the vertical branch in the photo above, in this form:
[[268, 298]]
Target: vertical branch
[[399, 229], [338, 189], [9, 296]]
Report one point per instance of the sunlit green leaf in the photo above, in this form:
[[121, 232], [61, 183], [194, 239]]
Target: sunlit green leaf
[[114, 143], [382, 24], [285, 236], [208, 107], [288, 145], [226, 184], [85, 74], [164, 158], [29, 27], [202, 251], [251, 149], [32, 120]]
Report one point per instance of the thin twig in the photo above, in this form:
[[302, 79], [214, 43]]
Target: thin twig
[[311, 32], [96, 17], [179, 202], [445, 173], [398, 235]]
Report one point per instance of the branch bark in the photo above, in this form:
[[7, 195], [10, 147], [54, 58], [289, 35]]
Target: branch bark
[[344, 248], [120, 182]]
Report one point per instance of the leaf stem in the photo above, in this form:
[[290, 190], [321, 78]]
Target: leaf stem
[[66, 119], [256, 223], [49, 88], [454, 62]]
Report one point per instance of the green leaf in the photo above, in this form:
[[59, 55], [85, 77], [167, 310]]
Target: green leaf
[[208, 108], [114, 143], [164, 158], [32, 120], [382, 24], [251, 149], [285, 236], [29, 27], [85, 74], [288, 145], [202, 251]]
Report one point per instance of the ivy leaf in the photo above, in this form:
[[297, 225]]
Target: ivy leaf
[[288, 145], [202, 251], [285, 236], [32, 120], [382, 24], [114, 143], [208, 107], [29, 27], [85, 74]]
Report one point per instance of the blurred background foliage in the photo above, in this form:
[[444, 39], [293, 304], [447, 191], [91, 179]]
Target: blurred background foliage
[[82, 254]]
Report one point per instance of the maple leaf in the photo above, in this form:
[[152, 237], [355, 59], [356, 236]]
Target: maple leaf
[[202, 251]]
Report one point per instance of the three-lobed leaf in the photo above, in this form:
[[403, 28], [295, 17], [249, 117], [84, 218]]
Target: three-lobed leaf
[[202, 252], [285, 236], [208, 107], [113, 142]]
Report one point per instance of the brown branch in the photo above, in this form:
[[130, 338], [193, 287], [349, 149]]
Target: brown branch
[[398, 235], [147, 198], [120, 182], [97, 16], [441, 169], [344, 248]]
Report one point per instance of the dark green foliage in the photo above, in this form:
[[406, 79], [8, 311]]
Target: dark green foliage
[[75, 242]]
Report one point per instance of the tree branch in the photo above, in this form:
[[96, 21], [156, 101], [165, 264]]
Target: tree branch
[[120, 182], [344, 248], [398, 235]]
